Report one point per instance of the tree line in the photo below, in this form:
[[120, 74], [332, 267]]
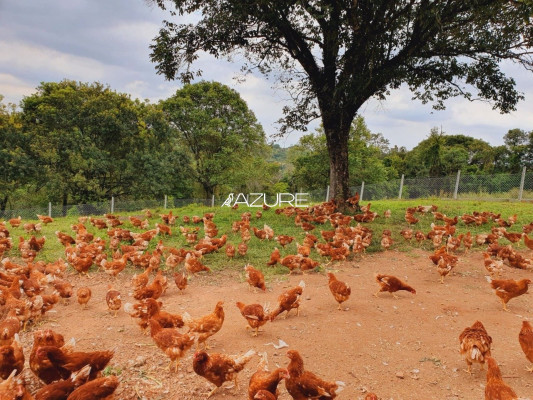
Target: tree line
[[372, 159], [75, 143]]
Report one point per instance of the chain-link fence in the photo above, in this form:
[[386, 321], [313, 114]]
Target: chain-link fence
[[462, 187]]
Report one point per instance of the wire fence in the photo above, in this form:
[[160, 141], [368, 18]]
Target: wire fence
[[500, 187]]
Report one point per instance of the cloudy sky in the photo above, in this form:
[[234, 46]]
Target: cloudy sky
[[108, 41]]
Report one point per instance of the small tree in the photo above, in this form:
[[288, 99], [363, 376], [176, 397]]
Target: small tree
[[332, 56], [216, 126]]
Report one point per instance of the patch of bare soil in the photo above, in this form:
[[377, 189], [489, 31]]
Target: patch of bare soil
[[405, 348]]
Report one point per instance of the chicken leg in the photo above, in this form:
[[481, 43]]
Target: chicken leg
[[505, 306]]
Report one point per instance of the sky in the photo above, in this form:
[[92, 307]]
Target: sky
[[108, 41]]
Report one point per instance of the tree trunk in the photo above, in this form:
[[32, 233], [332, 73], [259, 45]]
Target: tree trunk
[[209, 190], [3, 205], [337, 142]]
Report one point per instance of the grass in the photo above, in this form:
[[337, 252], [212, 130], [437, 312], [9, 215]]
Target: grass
[[259, 251]]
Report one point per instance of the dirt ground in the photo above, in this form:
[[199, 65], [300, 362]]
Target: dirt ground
[[405, 348]]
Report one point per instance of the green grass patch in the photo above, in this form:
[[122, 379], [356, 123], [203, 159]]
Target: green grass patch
[[259, 251]]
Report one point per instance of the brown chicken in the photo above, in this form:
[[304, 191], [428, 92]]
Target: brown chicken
[[153, 290], [264, 395], [207, 325], [284, 240], [525, 337], [275, 256], [101, 388], [64, 238], [444, 267], [288, 300], [371, 396], [193, 265], [265, 381], [151, 309], [45, 219], [507, 289], [60, 390], [496, 388], [230, 250], [173, 343], [115, 267], [254, 314], [180, 279], [75, 360], [528, 242], [81, 264], [242, 249], [475, 345], [254, 277], [341, 292], [9, 326], [84, 295], [304, 251], [41, 366], [14, 388], [63, 287], [219, 368], [302, 384], [291, 261], [142, 279], [493, 267], [391, 284], [15, 222], [11, 358], [113, 300], [386, 242]]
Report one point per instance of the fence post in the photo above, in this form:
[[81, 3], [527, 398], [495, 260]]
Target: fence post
[[50, 209], [362, 191], [401, 188], [213, 201], [165, 205], [457, 184], [522, 180], [112, 204], [327, 194]]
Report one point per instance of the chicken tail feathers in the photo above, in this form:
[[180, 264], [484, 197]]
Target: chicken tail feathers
[[187, 319], [340, 386], [476, 354], [245, 358], [128, 308]]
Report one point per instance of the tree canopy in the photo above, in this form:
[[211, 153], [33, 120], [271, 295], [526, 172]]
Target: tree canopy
[[18, 166], [216, 126], [92, 143], [332, 56]]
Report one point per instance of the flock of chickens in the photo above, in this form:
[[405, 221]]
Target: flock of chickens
[[29, 288]]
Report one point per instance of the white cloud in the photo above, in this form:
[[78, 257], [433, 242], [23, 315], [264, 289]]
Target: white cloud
[[14, 89], [25, 57]]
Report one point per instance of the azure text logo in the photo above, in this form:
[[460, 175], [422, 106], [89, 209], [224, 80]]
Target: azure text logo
[[259, 199]]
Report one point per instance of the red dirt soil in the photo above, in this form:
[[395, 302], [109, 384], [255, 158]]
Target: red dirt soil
[[405, 348]]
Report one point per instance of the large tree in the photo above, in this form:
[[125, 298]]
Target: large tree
[[333, 56], [222, 134], [93, 143]]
